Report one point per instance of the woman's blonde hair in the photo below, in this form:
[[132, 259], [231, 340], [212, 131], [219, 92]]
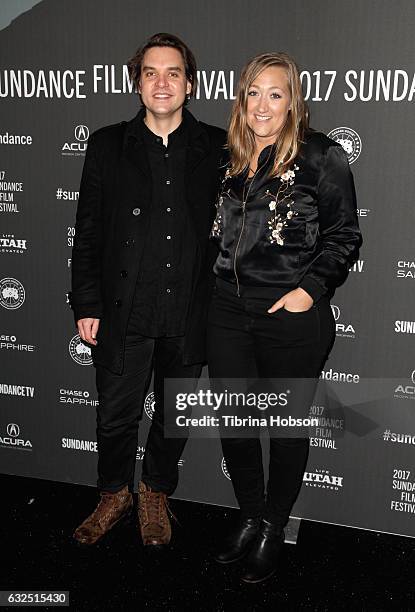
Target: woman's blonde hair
[[241, 139]]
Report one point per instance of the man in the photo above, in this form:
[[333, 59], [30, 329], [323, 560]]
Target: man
[[141, 276]]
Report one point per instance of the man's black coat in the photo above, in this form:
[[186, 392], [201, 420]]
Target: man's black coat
[[111, 226]]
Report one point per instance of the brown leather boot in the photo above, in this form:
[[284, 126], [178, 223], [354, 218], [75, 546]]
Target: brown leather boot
[[152, 515], [111, 508]]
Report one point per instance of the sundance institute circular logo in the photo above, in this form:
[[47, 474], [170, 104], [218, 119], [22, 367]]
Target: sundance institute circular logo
[[149, 405], [349, 140], [225, 469], [80, 353], [12, 293]]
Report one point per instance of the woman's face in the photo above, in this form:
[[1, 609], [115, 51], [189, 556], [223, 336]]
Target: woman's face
[[268, 104]]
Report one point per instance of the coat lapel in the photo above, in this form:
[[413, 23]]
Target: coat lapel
[[133, 145], [198, 143]]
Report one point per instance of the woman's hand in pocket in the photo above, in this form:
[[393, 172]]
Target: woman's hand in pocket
[[296, 300]]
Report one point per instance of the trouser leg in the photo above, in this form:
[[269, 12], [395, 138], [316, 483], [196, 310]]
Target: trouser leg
[[160, 464], [231, 355], [121, 398], [302, 364]]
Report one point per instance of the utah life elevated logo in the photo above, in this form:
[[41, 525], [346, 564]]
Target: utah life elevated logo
[[349, 140], [322, 479], [10, 244], [77, 148]]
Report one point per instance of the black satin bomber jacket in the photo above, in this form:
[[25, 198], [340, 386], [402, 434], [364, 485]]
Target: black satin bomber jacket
[[309, 238]]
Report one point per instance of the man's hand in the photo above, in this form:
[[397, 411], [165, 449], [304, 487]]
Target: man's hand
[[88, 329], [296, 300]]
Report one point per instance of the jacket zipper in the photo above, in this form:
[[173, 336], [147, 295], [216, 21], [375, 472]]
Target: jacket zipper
[[244, 200], [237, 247]]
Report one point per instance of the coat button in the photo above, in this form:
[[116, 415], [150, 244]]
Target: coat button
[[136, 212], [124, 273], [118, 303]]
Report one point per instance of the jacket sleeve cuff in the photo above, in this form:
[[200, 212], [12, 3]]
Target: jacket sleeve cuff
[[313, 288], [86, 311]]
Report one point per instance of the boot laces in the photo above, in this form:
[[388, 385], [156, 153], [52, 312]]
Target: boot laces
[[154, 507]]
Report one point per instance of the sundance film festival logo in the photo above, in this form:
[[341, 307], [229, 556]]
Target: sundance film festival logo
[[225, 469], [322, 479], [80, 353], [149, 405], [349, 140], [10, 244], [77, 147], [406, 390], [12, 293], [343, 330], [12, 438]]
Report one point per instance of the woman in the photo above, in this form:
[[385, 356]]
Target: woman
[[287, 233]]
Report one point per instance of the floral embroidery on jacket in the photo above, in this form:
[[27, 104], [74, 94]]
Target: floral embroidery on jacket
[[217, 224], [279, 218]]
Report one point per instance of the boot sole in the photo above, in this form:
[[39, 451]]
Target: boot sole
[[232, 560], [123, 519], [259, 579]]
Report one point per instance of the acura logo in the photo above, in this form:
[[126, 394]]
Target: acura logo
[[413, 377], [13, 430], [336, 312], [81, 133]]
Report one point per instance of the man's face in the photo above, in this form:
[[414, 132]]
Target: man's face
[[163, 83]]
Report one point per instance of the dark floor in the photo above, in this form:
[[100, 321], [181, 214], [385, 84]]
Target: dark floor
[[330, 568]]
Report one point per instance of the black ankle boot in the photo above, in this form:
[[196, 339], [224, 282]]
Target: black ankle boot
[[262, 558], [238, 542]]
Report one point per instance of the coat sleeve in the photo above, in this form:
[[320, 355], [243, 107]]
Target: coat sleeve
[[339, 233], [85, 297]]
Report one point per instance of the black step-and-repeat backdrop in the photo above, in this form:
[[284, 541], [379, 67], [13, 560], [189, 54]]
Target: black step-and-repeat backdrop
[[62, 75]]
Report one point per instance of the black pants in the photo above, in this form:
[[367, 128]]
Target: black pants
[[244, 341], [121, 399]]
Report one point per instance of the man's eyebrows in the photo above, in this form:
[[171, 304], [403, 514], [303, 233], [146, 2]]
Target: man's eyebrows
[[177, 68]]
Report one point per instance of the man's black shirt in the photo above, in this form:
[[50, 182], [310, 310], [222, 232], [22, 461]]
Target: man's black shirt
[[163, 287]]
